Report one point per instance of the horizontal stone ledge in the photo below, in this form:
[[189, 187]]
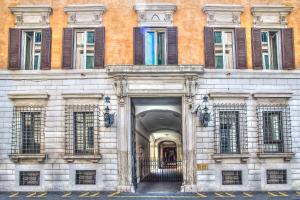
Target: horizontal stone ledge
[[20, 157], [229, 94], [92, 158], [219, 157], [82, 95], [28, 95], [286, 95], [285, 156]]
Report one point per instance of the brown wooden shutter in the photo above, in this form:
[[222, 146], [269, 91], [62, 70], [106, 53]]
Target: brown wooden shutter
[[68, 48], [240, 48], [14, 51], [209, 47], [288, 51], [256, 49], [99, 47], [46, 48], [172, 46], [139, 45]]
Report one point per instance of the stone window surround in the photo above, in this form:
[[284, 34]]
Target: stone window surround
[[85, 15], [270, 16], [223, 15], [27, 99], [32, 16], [155, 14]]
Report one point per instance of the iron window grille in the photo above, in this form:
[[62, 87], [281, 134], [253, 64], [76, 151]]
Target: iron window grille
[[28, 130], [231, 177], [276, 177], [29, 178], [230, 128], [85, 177], [274, 128], [82, 127]]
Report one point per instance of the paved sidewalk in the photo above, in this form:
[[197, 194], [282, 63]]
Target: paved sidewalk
[[153, 196]]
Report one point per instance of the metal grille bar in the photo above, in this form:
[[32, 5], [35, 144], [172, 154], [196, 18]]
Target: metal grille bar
[[82, 127], [29, 178], [276, 177], [274, 128], [86, 177], [232, 177], [230, 128], [153, 170], [28, 130]]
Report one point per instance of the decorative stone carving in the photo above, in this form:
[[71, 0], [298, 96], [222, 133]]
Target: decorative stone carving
[[270, 16], [157, 15], [190, 88], [32, 16], [220, 15], [121, 88], [85, 15]]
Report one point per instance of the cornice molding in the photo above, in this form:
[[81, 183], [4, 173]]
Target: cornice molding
[[82, 95], [28, 95]]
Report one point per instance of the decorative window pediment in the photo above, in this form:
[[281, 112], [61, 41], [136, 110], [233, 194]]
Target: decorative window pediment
[[157, 15], [32, 16], [85, 15], [270, 16], [220, 15]]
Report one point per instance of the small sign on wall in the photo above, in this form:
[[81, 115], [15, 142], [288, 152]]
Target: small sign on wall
[[202, 166]]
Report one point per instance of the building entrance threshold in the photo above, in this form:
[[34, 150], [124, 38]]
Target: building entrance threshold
[[158, 187]]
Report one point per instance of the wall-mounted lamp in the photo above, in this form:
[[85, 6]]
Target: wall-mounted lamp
[[108, 117], [202, 112]]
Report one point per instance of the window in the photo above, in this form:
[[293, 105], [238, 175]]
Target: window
[[271, 51], [28, 126], [32, 50], [224, 49], [84, 49], [81, 129], [155, 47], [29, 178], [231, 177], [274, 129], [86, 177], [276, 177], [230, 128]]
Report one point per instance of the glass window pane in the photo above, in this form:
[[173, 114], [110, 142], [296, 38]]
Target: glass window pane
[[266, 61], [79, 50], [219, 61], [38, 37], [150, 48], [89, 61], [90, 38], [264, 37], [160, 48], [218, 37], [28, 50], [37, 61]]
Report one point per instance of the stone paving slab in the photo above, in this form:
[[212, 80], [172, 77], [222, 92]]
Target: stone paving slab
[[291, 195]]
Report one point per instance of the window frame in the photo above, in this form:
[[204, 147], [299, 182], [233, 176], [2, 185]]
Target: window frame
[[284, 174], [239, 174], [156, 31], [32, 53], [23, 173], [85, 44], [223, 30], [77, 174], [279, 49]]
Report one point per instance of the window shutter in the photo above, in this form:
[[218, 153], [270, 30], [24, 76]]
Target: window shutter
[[14, 49], [172, 46], [139, 45], [288, 53], [68, 47], [209, 49], [99, 47], [46, 48], [256, 49], [240, 48]]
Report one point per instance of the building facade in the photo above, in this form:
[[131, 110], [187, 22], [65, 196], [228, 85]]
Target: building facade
[[104, 95]]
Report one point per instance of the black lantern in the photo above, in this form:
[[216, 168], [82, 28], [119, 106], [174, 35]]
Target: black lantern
[[202, 113], [108, 117]]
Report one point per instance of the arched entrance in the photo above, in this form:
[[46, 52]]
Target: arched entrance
[[158, 140]]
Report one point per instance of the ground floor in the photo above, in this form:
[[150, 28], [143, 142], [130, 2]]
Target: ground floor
[[150, 129]]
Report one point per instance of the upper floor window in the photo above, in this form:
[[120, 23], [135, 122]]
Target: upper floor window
[[32, 41], [84, 49], [271, 49], [224, 51], [155, 47]]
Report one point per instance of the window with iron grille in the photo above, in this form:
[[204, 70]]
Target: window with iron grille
[[274, 128], [276, 177], [230, 128], [82, 129], [29, 178], [86, 177], [231, 177], [28, 130]]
